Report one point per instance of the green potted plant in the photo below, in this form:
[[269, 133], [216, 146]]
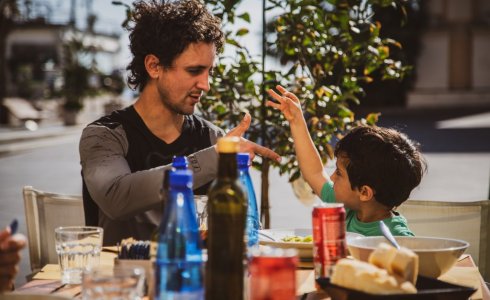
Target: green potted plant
[[76, 81], [332, 48]]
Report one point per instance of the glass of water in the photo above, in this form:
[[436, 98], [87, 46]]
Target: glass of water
[[78, 248], [202, 211], [122, 283]]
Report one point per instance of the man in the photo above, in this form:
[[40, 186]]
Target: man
[[123, 155], [10, 247]]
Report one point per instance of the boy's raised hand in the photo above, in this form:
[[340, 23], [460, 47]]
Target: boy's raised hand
[[287, 103]]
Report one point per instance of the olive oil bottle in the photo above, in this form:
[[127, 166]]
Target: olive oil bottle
[[227, 212]]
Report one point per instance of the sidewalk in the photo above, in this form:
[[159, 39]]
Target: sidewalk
[[51, 128], [13, 140]]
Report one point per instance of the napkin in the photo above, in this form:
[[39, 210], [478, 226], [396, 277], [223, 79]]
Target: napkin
[[305, 282], [467, 276]]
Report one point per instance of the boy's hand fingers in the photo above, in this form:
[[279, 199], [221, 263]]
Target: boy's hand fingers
[[273, 104], [281, 89], [291, 96], [285, 94], [275, 95]]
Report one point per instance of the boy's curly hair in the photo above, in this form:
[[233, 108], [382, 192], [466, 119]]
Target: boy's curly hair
[[385, 160], [165, 30]]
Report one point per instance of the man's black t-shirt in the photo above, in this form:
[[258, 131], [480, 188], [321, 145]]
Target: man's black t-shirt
[[146, 151]]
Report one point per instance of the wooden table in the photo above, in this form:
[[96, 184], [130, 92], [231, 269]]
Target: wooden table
[[464, 272]]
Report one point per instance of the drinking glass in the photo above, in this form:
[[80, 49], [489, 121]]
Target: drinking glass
[[78, 248], [202, 211], [273, 274], [121, 283]]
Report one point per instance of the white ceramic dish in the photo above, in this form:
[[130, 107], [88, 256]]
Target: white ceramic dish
[[436, 255], [273, 238]]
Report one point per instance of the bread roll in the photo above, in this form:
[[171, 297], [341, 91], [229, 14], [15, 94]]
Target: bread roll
[[383, 256], [365, 277], [406, 265], [402, 263]]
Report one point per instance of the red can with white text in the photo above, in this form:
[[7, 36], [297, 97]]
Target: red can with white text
[[328, 237]]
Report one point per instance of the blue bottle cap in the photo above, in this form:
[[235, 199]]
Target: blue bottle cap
[[180, 162], [242, 159], [180, 178]]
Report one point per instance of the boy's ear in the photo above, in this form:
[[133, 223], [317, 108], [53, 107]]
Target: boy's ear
[[366, 193], [152, 66]]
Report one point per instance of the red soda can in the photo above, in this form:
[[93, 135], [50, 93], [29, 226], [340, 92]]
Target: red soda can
[[328, 237], [273, 274]]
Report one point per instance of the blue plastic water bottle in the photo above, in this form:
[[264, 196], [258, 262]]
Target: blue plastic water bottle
[[180, 163], [179, 264], [252, 226]]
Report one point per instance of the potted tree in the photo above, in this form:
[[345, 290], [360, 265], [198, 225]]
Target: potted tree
[[76, 77], [332, 48]]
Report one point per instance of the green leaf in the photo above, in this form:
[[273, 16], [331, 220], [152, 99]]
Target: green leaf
[[233, 42], [372, 118], [245, 17], [294, 176], [242, 32]]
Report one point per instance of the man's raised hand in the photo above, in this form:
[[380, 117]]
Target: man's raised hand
[[248, 146]]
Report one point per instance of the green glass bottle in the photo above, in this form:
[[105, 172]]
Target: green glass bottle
[[227, 212]]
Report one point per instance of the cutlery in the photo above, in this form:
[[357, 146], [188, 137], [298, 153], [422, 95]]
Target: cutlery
[[267, 236], [13, 226], [387, 234]]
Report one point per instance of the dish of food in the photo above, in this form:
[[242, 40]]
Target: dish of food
[[389, 273], [300, 239], [427, 288], [437, 255]]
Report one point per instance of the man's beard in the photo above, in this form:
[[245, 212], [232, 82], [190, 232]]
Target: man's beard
[[175, 108]]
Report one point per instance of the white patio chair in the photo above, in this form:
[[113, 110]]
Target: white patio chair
[[44, 212], [467, 221]]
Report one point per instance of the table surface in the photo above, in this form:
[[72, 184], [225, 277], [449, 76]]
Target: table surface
[[464, 273]]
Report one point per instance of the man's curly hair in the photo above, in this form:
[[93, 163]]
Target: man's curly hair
[[165, 30]]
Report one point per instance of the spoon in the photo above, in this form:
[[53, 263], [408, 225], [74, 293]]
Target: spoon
[[387, 234], [267, 236]]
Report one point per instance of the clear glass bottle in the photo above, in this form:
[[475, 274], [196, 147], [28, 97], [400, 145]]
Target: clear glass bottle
[[227, 211], [179, 263], [253, 224]]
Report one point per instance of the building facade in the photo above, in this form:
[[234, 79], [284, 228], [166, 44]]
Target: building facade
[[453, 68]]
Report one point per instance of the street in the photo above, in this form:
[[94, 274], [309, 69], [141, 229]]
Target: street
[[53, 168], [454, 173]]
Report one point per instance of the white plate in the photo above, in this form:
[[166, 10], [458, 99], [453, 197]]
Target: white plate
[[305, 250]]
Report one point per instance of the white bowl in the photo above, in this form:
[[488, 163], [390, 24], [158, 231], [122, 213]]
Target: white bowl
[[436, 255]]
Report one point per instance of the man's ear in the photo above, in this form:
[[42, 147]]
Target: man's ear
[[152, 66], [366, 193]]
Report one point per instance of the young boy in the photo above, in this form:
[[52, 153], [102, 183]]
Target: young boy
[[376, 170]]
